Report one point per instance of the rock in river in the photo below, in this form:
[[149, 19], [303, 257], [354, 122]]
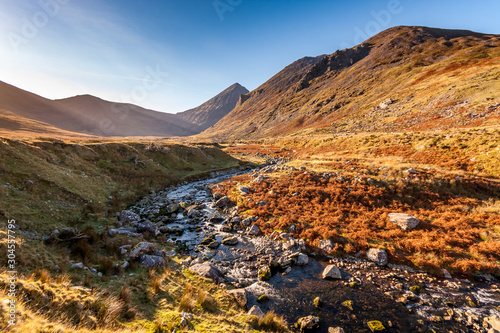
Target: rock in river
[[207, 270], [331, 272]]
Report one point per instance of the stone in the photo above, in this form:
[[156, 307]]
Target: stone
[[128, 216], [256, 311], [125, 248], [217, 196], [142, 248], [147, 226], [331, 272], [223, 202], [446, 274], [230, 241], [265, 273], [207, 270], [77, 265], [263, 298], [493, 322], [385, 103], [318, 302], [152, 261], [308, 323], [335, 330], [254, 230], [378, 256], [172, 207], [130, 232], [326, 245], [376, 326], [240, 295], [302, 259], [244, 190], [246, 222], [213, 245], [404, 221]]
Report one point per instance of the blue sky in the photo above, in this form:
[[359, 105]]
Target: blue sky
[[171, 55]]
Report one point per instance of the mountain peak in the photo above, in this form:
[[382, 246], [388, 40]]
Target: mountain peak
[[210, 112]]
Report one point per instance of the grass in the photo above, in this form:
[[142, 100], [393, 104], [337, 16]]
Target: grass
[[454, 190]]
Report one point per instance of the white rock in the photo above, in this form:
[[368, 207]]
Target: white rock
[[378, 256], [256, 311], [331, 272], [404, 221]]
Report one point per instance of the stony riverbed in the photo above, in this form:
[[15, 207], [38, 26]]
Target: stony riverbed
[[219, 243]]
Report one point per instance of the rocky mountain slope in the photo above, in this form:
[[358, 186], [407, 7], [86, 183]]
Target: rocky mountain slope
[[404, 78], [22, 112], [214, 109]]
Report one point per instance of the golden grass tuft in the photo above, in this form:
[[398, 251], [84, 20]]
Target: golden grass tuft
[[269, 323]]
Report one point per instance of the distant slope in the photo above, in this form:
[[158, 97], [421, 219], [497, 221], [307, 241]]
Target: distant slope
[[97, 116], [24, 112], [214, 109], [404, 78]]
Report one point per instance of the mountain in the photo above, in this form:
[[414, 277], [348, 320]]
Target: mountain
[[25, 112], [213, 110], [404, 78]]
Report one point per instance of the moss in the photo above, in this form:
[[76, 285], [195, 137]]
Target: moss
[[264, 273], [348, 304], [263, 298], [376, 326], [318, 302], [415, 289]]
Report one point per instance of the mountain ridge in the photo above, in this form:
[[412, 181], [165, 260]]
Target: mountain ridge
[[23, 111], [426, 73]]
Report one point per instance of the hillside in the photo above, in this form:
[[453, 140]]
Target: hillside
[[214, 109], [404, 78], [24, 113]]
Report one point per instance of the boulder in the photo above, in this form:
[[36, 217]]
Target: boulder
[[254, 230], [172, 207], [147, 226], [230, 241], [256, 311], [77, 265], [223, 202], [404, 221], [308, 323], [142, 248], [130, 232], [207, 270], [217, 196], [128, 216], [326, 245], [331, 272], [493, 322], [152, 261], [240, 295], [302, 259], [244, 190], [378, 256]]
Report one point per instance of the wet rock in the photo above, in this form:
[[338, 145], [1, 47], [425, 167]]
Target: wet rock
[[331, 272], [230, 241], [265, 273], [378, 256], [249, 220], [142, 248], [193, 212], [129, 232], [302, 259], [172, 207], [174, 230], [240, 295], [256, 311], [404, 221], [147, 226], [254, 230], [128, 216], [446, 274], [223, 202], [217, 196], [207, 270], [152, 261], [308, 323], [213, 245]]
